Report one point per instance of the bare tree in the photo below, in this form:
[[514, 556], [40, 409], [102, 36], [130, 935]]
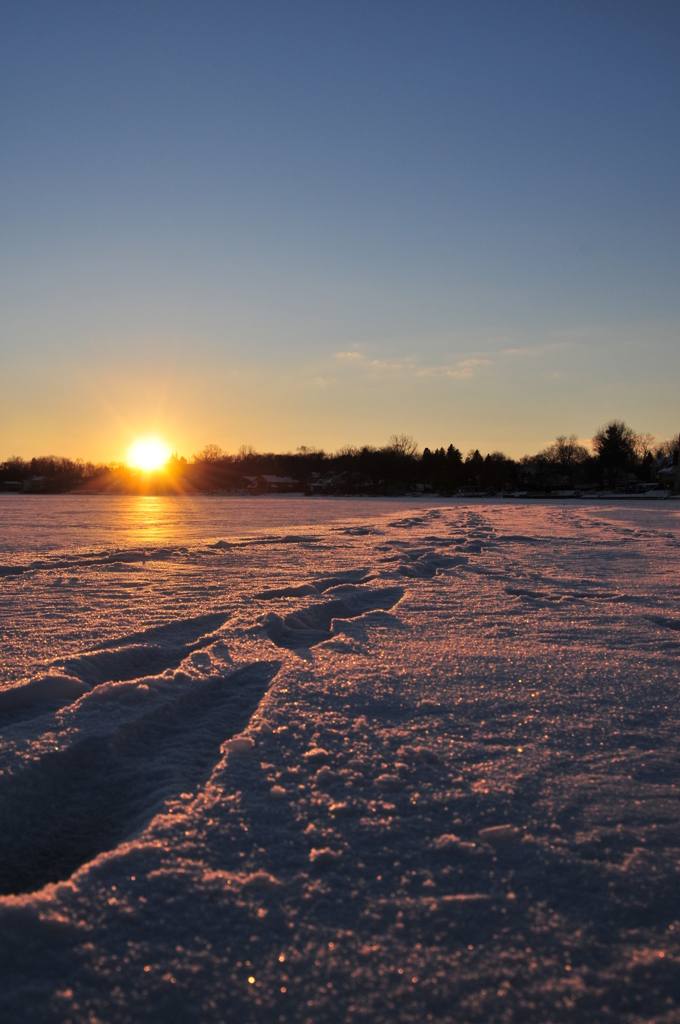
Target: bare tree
[[348, 451], [211, 453], [644, 445], [568, 452], [246, 451], [565, 456], [403, 445], [305, 451], [666, 449]]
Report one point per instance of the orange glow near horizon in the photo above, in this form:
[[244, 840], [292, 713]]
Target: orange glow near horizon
[[148, 453]]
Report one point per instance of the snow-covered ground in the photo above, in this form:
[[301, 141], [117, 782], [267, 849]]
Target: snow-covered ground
[[316, 760]]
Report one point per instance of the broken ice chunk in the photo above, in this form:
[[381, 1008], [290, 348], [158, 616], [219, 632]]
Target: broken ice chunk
[[317, 755], [388, 782], [324, 858], [239, 745], [261, 880], [450, 843], [499, 833]]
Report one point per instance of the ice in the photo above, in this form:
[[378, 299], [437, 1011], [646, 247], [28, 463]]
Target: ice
[[300, 760]]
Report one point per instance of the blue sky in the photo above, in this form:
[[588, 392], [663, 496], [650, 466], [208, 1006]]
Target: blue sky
[[284, 223]]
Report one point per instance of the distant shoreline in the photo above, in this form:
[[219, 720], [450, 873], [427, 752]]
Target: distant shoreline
[[620, 463], [650, 496]]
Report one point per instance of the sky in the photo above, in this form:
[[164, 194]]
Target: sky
[[284, 224]]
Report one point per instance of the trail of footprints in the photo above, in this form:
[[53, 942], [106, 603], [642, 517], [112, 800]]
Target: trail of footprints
[[136, 731], [158, 731]]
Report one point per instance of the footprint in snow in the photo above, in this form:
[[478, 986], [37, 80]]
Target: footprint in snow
[[66, 807], [312, 625]]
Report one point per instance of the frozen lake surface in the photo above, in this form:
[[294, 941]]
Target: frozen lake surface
[[312, 760]]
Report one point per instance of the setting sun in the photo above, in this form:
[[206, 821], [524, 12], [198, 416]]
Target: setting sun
[[148, 453]]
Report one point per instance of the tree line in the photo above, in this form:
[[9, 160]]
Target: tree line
[[618, 459]]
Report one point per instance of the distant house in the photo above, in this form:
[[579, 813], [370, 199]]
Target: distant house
[[279, 483], [327, 483], [34, 484], [667, 477], [268, 483]]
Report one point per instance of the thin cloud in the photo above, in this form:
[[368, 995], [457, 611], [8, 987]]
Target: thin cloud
[[535, 350], [410, 367], [465, 368], [471, 363]]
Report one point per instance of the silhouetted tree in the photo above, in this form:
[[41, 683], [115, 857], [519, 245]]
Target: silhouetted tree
[[442, 470], [211, 453], [498, 472], [395, 468], [474, 462], [402, 445], [614, 446], [564, 463], [666, 449]]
